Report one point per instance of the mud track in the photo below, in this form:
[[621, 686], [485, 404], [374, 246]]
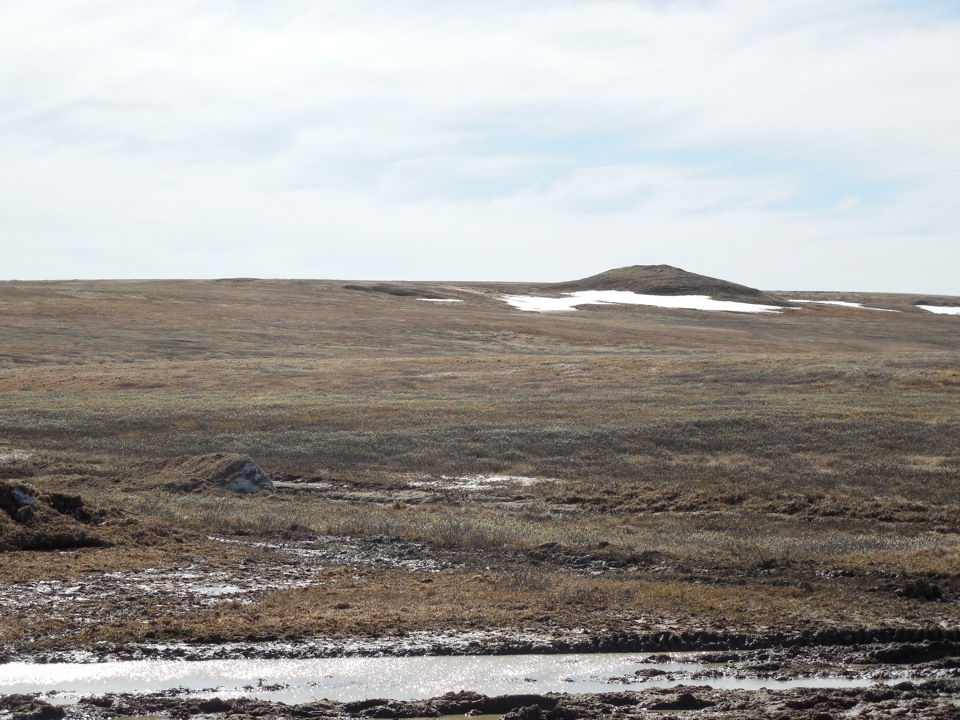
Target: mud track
[[931, 699]]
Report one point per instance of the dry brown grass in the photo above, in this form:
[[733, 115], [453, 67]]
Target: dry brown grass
[[347, 602], [823, 439]]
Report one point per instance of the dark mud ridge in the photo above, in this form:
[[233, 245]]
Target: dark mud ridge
[[935, 700], [909, 644]]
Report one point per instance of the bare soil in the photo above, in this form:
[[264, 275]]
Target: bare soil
[[935, 699]]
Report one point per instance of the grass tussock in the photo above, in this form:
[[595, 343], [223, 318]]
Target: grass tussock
[[347, 602], [700, 539]]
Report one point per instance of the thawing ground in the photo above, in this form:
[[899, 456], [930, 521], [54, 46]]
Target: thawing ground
[[476, 482]]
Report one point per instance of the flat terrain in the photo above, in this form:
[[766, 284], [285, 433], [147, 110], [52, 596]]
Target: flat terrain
[[687, 479]]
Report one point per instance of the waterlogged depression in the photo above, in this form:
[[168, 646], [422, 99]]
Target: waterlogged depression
[[570, 301], [476, 482], [393, 678]]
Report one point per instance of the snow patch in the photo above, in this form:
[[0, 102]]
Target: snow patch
[[940, 309], [250, 480], [570, 301], [24, 497], [440, 300], [843, 303]]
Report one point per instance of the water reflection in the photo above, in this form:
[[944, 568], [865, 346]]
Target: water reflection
[[395, 678]]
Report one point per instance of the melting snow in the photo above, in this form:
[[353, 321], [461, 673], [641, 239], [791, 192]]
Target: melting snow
[[23, 497], [843, 303], [440, 299], [571, 301], [250, 480], [940, 309]]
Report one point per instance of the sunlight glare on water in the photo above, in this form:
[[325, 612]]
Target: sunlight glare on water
[[395, 678]]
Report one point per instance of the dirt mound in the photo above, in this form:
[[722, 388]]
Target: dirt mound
[[27, 707], [668, 280], [395, 289], [31, 521], [196, 473]]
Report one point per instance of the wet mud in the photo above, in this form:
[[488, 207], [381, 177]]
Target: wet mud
[[933, 699], [887, 669], [299, 559]]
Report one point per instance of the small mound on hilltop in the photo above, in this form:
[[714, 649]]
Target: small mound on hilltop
[[395, 289], [197, 473], [30, 520], [668, 280]]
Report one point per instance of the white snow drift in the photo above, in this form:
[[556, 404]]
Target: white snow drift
[[940, 309], [570, 301], [844, 303]]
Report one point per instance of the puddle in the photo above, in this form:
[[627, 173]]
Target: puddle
[[303, 485], [475, 482], [570, 301], [393, 678], [77, 601], [334, 550]]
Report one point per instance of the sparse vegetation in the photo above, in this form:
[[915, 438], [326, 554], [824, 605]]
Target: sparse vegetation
[[694, 466]]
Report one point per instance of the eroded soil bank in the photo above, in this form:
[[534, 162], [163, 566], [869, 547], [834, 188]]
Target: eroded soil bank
[[936, 699], [299, 593]]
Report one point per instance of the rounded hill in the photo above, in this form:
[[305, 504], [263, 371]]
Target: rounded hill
[[668, 280]]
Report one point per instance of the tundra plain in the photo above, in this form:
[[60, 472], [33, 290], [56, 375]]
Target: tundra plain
[[670, 479]]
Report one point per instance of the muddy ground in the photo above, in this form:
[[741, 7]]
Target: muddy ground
[[86, 605], [217, 594], [934, 699]]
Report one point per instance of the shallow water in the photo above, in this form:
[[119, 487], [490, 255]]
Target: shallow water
[[397, 678], [475, 482]]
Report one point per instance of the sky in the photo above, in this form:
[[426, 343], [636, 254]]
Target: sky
[[797, 144]]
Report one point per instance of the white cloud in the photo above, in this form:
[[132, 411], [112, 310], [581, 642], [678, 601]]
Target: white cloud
[[537, 140]]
